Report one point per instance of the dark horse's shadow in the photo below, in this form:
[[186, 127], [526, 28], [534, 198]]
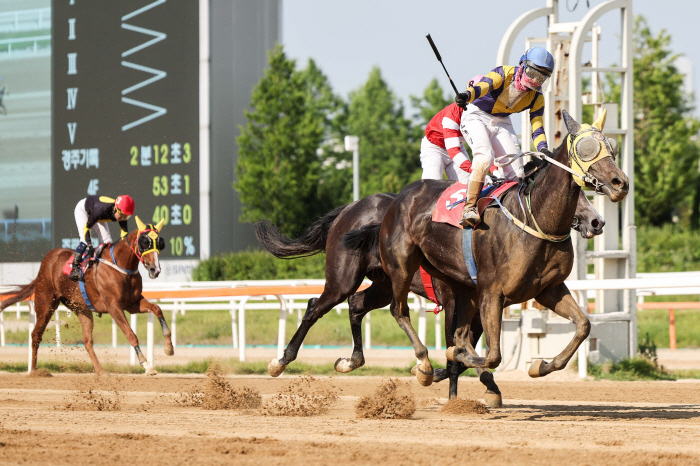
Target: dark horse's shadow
[[593, 412]]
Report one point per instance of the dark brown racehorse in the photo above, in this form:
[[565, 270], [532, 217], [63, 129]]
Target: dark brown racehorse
[[513, 266], [112, 289], [346, 269]]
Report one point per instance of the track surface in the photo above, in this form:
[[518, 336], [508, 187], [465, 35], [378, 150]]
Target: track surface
[[649, 423]]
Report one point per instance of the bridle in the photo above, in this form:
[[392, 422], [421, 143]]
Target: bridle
[[153, 247]]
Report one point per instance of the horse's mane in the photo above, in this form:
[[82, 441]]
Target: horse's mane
[[542, 164]]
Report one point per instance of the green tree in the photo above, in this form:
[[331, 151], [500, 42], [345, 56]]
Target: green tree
[[389, 150], [666, 153], [429, 104], [278, 167]]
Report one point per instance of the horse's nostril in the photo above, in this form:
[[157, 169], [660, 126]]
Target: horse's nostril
[[617, 182], [595, 223]]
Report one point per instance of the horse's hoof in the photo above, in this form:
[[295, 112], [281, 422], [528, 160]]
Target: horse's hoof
[[424, 378], [149, 369], [275, 368], [103, 374], [450, 353], [344, 365], [493, 400], [169, 350], [535, 367]]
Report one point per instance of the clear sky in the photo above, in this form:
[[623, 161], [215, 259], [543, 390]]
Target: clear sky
[[348, 38]]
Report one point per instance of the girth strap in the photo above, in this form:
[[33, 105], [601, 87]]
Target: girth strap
[[467, 251]]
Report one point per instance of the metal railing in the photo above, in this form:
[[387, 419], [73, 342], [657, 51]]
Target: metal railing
[[10, 47], [25, 20]]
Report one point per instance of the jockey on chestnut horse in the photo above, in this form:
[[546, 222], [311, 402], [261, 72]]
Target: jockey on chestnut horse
[[111, 286]]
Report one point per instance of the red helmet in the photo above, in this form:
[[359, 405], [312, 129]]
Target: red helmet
[[125, 204]]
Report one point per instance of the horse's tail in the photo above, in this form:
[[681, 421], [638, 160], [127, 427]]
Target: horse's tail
[[16, 296], [364, 240], [310, 243]]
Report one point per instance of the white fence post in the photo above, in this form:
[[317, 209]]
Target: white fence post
[[438, 332], [32, 323], [368, 331], [149, 340], [2, 329], [234, 324], [422, 321], [241, 328], [173, 323], [114, 333], [57, 321], [133, 328], [282, 327]]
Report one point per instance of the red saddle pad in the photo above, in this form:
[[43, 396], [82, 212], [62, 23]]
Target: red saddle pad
[[457, 192]]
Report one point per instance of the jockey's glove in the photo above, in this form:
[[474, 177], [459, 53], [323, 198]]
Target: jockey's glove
[[463, 98]]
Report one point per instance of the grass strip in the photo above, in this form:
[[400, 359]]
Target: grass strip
[[637, 368]]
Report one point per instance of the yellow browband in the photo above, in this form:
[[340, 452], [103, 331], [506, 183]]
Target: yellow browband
[[578, 165], [151, 234]]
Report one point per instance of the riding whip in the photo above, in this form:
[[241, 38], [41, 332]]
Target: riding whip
[[437, 54]]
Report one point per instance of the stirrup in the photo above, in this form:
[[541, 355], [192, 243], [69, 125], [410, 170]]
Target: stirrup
[[470, 218], [76, 276]]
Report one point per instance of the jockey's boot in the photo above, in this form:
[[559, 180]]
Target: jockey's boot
[[75, 274], [470, 216]]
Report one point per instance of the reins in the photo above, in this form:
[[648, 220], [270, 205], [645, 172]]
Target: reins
[[114, 265]]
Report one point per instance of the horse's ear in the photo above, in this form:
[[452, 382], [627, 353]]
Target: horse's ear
[[160, 224], [600, 122], [571, 126], [141, 226]]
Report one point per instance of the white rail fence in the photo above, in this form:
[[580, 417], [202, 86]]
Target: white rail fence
[[24, 45], [289, 304], [25, 20]]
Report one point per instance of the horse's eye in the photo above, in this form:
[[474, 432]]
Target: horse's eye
[[160, 244]]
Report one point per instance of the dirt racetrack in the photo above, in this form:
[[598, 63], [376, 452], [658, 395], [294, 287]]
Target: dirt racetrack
[[542, 422]]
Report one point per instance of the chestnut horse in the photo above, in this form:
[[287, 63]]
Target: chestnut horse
[[113, 286], [326, 233], [513, 266]]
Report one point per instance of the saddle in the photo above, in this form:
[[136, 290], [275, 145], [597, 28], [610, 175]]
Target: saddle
[[86, 261], [448, 207]]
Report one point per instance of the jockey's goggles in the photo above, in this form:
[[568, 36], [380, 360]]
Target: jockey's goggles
[[535, 77]]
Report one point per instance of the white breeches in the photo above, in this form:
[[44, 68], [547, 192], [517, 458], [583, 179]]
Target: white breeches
[[81, 219], [490, 138], [434, 160]]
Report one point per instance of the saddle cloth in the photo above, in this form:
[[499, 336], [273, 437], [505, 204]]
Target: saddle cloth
[[85, 264], [458, 192]]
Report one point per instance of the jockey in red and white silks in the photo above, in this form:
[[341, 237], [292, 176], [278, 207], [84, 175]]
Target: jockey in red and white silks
[[442, 147]]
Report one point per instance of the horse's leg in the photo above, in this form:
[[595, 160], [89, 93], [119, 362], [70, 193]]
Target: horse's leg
[[87, 324], [43, 309], [119, 317], [376, 296], [401, 271], [492, 396], [145, 306], [491, 312], [334, 293], [558, 299]]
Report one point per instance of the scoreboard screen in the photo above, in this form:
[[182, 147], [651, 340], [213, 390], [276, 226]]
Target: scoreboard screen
[[125, 114]]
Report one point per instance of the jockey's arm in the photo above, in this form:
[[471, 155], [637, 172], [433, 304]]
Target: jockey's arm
[[86, 231], [124, 229], [537, 122], [453, 140], [493, 80]]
